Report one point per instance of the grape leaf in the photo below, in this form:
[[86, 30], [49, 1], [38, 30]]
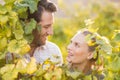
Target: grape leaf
[[9, 1], [18, 32], [13, 18], [24, 49], [117, 37], [8, 31], [115, 65], [32, 5], [74, 74], [22, 12], [12, 75], [7, 68], [32, 66], [2, 55], [3, 10], [3, 43], [3, 19], [104, 44], [13, 46], [29, 38], [30, 26], [21, 66]]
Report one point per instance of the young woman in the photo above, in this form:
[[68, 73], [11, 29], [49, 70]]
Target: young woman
[[81, 52]]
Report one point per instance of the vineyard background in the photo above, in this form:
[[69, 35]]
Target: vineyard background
[[102, 12], [14, 37]]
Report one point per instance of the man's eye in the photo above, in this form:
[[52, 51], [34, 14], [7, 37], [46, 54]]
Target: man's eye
[[46, 27]]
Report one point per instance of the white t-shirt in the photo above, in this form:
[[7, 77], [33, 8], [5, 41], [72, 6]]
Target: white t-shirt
[[48, 51]]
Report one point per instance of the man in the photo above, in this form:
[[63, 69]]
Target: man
[[41, 49]]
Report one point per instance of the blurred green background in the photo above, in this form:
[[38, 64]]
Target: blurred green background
[[72, 14]]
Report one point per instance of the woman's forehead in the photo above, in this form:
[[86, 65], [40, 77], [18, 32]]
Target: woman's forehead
[[79, 37]]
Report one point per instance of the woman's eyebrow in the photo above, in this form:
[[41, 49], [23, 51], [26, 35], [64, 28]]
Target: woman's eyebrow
[[70, 41]]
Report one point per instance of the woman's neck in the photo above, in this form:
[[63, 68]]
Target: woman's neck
[[84, 67]]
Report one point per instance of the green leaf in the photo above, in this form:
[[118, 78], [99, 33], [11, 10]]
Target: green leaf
[[22, 42], [13, 18], [9, 1], [52, 73], [74, 74], [3, 19], [109, 76], [40, 71], [13, 47], [30, 26], [32, 5], [88, 22], [18, 32], [117, 37], [2, 55], [12, 75], [12, 14], [7, 68], [29, 38], [21, 66], [32, 66], [93, 29], [107, 48], [89, 77], [19, 46], [3, 10], [104, 44], [114, 65], [58, 76], [3, 43], [24, 49], [22, 11], [7, 31]]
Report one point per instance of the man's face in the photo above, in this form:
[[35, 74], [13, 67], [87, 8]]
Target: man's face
[[47, 20]]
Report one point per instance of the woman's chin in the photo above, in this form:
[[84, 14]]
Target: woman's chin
[[68, 59]]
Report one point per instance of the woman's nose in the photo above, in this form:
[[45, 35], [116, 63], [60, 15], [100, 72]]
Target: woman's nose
[[69, 47]]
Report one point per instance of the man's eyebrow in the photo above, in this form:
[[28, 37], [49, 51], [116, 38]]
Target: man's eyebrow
[[47, 25]]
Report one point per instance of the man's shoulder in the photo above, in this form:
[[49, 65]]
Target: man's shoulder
[[51, 44]]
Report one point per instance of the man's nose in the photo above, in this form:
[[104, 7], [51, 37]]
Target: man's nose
[[50, 31]]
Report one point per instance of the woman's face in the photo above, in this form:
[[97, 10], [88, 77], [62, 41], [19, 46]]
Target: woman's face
[[78, 49]]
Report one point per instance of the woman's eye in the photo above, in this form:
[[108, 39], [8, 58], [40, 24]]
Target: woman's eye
[[77, 45]]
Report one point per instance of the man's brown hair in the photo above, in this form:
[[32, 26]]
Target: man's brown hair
[[43, 5]]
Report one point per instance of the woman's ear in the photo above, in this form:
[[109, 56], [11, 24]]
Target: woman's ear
[[90, 55]]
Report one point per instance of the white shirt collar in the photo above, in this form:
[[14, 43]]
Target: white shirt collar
[[43, 47]]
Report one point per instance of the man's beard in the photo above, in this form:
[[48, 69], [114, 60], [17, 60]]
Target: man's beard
[[40, 41]]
